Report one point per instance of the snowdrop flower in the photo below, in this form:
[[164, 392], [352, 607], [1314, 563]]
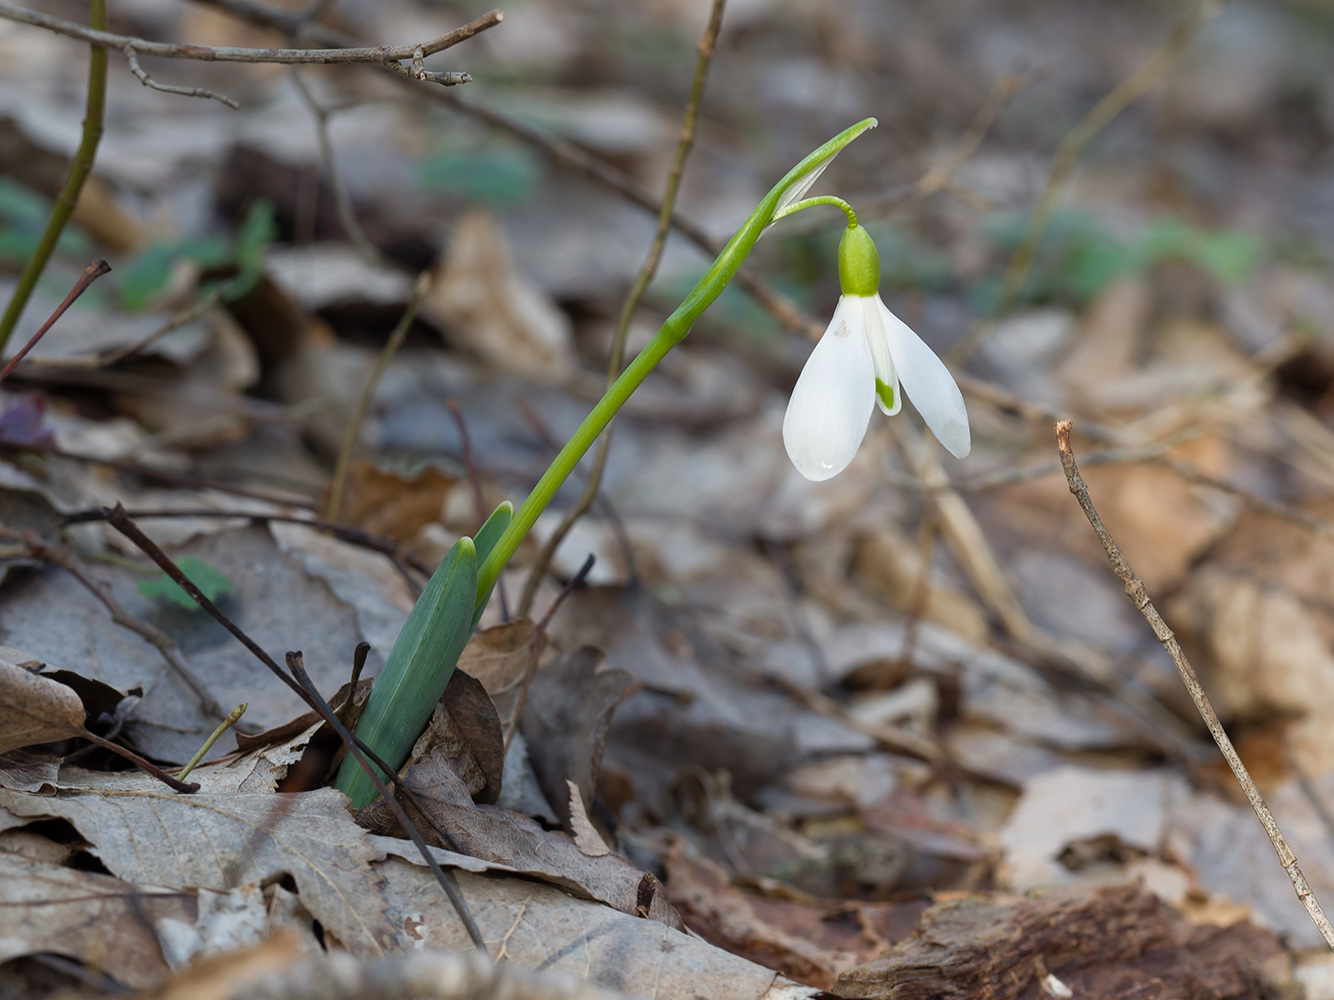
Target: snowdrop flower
[[864, 357]]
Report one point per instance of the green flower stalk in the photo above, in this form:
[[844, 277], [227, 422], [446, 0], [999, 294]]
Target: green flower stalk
[[785, 195], [426, 651]]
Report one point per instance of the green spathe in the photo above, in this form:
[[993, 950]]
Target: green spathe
[[417, 669], [858, 263]]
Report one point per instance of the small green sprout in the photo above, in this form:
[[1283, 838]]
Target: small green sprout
[[210, 581]]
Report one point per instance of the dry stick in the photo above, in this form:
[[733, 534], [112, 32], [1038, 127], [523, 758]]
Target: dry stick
[[65, 558], [561, 151], [107, 358], [380, 55], [347, 216], [79, 169], [132, 61], [90, 274], [301, 685], [708, 47], [974, 554], [1124, 94], [339, 481], [1139, 597], [148, 767]]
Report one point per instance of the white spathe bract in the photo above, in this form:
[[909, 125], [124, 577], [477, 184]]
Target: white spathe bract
[[866, 354]]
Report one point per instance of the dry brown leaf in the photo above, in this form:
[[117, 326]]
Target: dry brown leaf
[[33, 709], [498, 656], [389, 503], [566, 720], [537, 926], [96, 919], [474, 715], [28, 772], [497, 835], [491, 309], [217, 842]]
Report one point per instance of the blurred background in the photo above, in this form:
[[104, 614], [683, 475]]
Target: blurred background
[[916, 678]]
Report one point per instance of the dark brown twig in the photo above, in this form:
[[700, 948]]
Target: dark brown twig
[[708, 46], [301, 684], [90, 274], [147, 766], [1134, 588], [103, 359]]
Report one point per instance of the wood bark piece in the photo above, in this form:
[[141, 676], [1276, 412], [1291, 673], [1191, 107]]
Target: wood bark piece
[[1115, 942]]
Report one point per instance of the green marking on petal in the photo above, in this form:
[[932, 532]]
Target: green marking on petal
[[886, 394]]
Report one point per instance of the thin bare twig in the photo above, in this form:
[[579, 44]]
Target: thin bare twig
[[65, 558], [347, 216], [339, 482], [132, 60], [301, 685], [104, 359], [1134, 588], [380, 55], [708, 46], [147, 766], [90, 274]]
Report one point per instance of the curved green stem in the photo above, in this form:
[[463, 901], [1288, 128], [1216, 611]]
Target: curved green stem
[[824, 199], [780, 201], [79, 170]]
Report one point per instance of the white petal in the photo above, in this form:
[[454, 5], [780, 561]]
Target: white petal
[[831, 405], [886, 375], [928, 384]]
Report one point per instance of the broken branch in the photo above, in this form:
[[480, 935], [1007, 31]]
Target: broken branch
[[1134, 588]]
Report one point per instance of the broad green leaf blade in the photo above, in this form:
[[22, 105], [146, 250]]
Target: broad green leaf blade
[[417, 669], [209, 580], [486, 539]]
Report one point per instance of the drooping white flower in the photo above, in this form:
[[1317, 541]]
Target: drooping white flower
[[866, 356]]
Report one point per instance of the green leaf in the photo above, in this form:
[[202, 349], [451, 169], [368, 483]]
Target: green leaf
[[417, 669], [257, 232], [209, 580]]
